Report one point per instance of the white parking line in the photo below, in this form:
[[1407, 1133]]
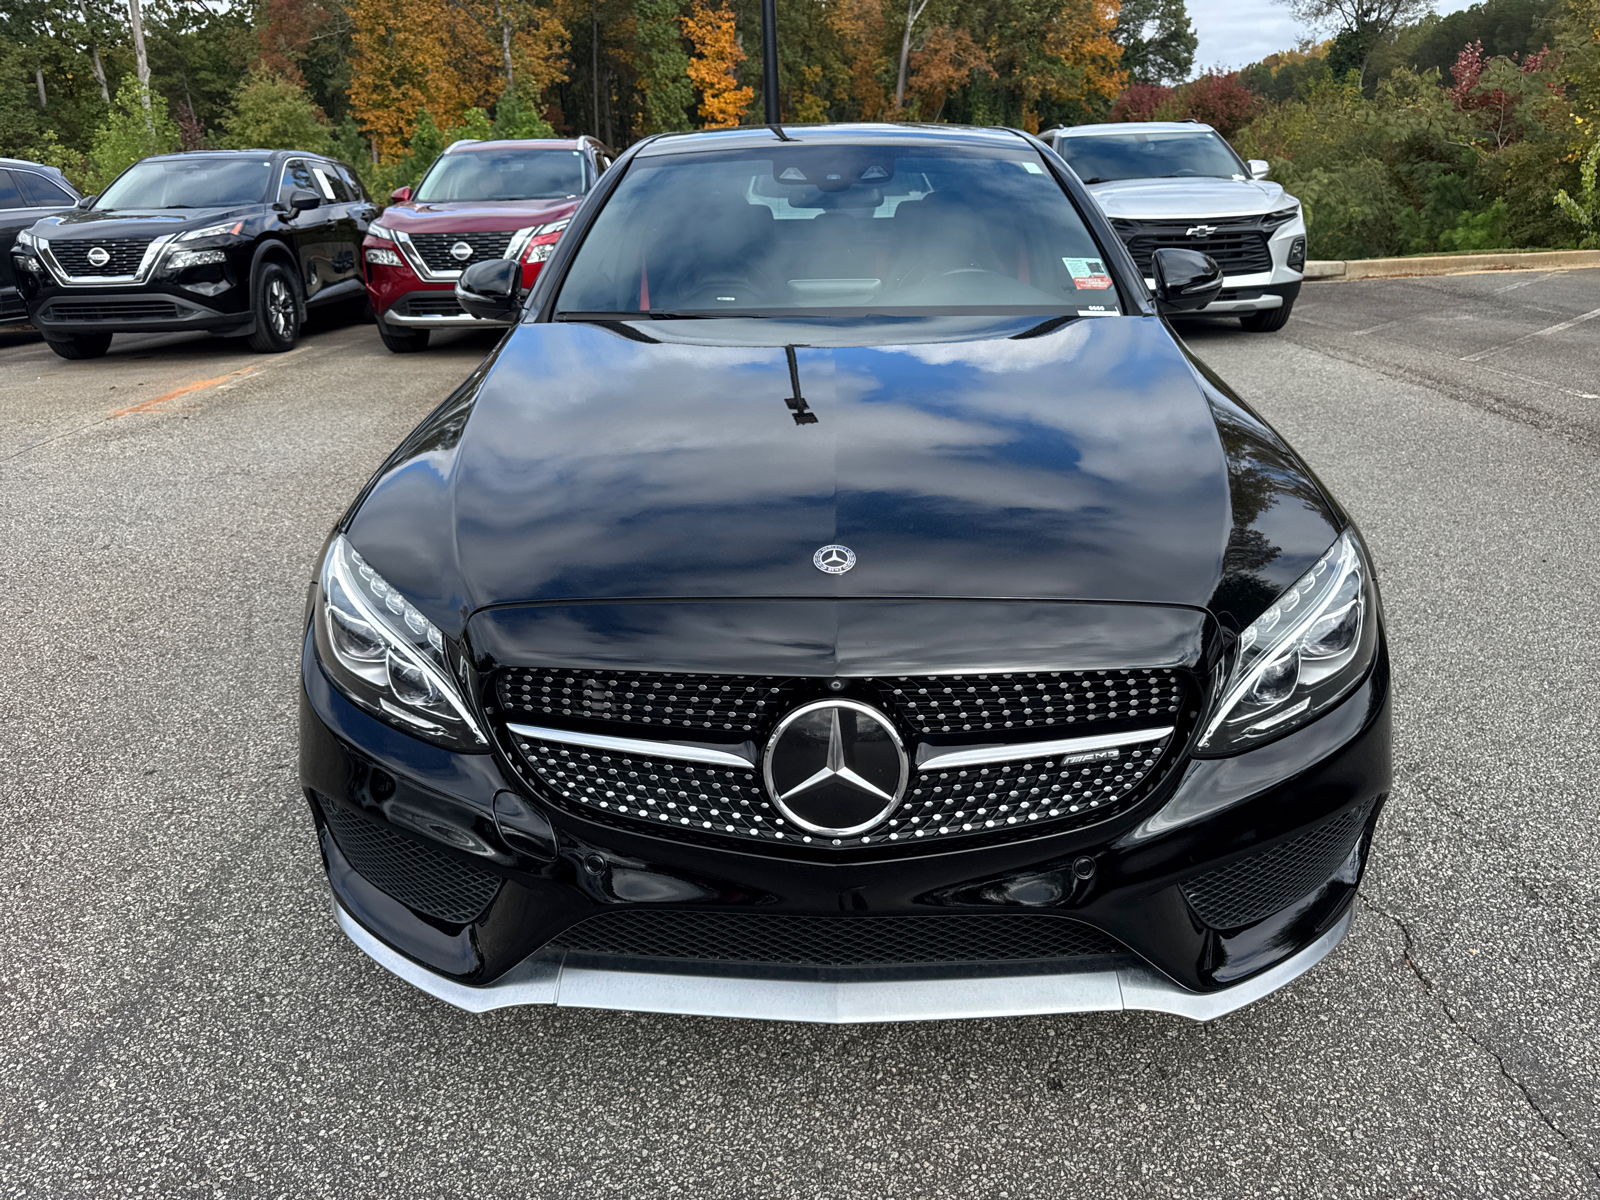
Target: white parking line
[[1588, 316]]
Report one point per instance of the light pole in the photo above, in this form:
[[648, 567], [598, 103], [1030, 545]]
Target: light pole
[[769, 57]]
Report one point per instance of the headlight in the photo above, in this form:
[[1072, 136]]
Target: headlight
[[1300, 657], [381, 231], [26, 239], [179, 259], [1282, 217], [386, 656], [383, 256], [226, 230], [536, 242]]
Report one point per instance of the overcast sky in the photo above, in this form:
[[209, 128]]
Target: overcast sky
[[1234, 33]]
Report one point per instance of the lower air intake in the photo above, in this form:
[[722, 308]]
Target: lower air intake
[[1254, 888], [425, 880], [835, 941]]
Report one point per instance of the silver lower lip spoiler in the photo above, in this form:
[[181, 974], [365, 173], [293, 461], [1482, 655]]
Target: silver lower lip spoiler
[[1121, 985]]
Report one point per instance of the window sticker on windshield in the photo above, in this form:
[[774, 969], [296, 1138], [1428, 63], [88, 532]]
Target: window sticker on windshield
[[1098, 310], [1088, 274], [1032, 168]]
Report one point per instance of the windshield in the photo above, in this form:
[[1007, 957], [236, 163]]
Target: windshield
[[848, 229], [1098, 158], [516, 174], [190, 183]]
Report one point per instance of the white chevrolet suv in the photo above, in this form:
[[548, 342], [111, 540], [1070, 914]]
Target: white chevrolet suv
[[1179, 183]]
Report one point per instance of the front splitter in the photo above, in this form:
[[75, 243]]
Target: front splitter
[[546, 979]]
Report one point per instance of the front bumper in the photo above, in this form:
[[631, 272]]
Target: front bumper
[[1209, 817], [146, 310]]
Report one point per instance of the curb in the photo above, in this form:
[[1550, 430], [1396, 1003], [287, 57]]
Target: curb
[[1451, 264]]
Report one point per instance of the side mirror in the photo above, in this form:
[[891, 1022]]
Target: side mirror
[[302, 199], [1259, 168], [1186, 280], [491, 290], [400, 195], [85, 202]]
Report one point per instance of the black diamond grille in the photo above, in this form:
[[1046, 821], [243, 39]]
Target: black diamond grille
[[126, 310], [724, 702], [1022, 700], [126, 255], [835, 941], [932, 704], [427, 880], [434, 248], [728, 801], [1254, 888]]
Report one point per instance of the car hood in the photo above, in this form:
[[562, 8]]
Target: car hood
[[588, 462], [136, 222], [477, 216], [1154, 199]]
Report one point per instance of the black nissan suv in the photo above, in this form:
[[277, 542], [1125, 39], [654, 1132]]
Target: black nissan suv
[[236, 243]]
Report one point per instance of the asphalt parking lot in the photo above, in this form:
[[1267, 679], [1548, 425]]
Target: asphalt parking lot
[[182, 1018]]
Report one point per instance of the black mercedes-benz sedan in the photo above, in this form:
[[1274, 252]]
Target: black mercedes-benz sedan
[[841, 597], [235, 243]]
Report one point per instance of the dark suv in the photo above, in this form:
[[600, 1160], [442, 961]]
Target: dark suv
[[478, 201], [28, 191], [237, 243]]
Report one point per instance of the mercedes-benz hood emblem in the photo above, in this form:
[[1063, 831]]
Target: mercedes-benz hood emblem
[[834, 559], [836, 767]]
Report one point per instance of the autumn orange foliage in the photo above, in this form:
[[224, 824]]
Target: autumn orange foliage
[[713, 68], [948, 59], [863, 38], [445, 56]]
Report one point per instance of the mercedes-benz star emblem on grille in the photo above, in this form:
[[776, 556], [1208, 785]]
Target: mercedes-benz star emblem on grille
[[461, 252], [98, 256], [835, 767], [1199, 231], [834, 560]]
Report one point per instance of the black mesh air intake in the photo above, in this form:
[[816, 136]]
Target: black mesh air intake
[[835, 941], [1254, 888], [429, 881]]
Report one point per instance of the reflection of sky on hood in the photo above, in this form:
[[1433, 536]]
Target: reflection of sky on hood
[[860, 638], [1082, 464]]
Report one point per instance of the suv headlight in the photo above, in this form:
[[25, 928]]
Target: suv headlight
[[1300, 657], [26, 239], [386, 656], [224, 230], [1283, 216]]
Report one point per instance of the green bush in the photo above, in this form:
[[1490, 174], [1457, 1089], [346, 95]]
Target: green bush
[[130, 132], [273, 113]]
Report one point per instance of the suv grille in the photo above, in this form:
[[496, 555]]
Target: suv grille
[[126, 255], [433, 306], [1254, 888], [927, 704], [1239, 244], [434, 248], [835, 941], [426, 880]]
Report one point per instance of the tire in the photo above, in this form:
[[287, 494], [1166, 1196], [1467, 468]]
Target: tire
[[275, 300], [403, 341], [1269, 321], [80, 345]]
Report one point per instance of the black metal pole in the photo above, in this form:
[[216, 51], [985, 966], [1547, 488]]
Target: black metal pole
[[769, 57]]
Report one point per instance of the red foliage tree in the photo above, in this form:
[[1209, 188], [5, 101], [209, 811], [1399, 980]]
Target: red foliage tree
[[1140, 102], [1221, 101]]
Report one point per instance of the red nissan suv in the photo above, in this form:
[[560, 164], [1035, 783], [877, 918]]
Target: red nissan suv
[[479, 200]]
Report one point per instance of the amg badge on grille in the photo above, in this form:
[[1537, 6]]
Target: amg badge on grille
[[836, 767], [834, 560]]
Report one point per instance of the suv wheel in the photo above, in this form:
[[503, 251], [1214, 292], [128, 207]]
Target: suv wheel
[[403, 341], [276, 304], [80, 345], [1270, 321]]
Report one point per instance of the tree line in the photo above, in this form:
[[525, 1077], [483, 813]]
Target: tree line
[[1402, 131]]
